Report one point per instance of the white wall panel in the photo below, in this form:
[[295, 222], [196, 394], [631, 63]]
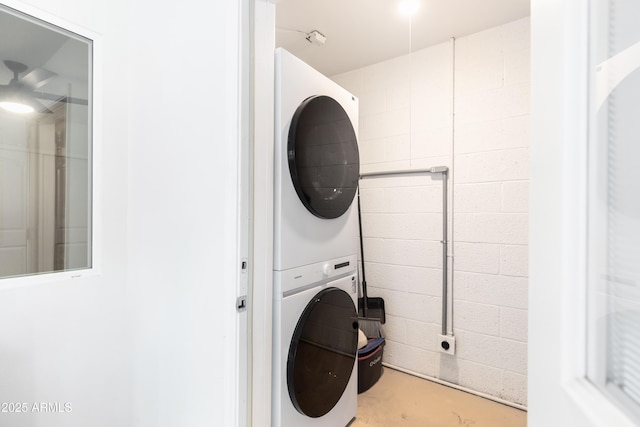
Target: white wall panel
[[68, 339], [514, 260], [492, 166], [507, 228], [479, 198], [503, 291], [477, 257], [513, 324]]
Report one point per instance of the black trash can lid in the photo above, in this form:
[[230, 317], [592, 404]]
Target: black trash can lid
[[371, 346]]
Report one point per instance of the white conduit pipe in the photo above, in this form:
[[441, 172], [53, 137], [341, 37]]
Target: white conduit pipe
[[453, 152]]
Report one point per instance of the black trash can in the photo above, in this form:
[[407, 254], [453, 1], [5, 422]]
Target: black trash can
[[370, 364]]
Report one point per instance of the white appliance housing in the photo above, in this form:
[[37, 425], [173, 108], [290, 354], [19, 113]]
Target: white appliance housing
[[300, 237], [295, 291]]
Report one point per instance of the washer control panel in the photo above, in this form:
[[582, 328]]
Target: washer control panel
[[314, 273]]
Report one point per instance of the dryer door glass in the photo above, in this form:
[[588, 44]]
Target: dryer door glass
[[323, 157], [322, 352]]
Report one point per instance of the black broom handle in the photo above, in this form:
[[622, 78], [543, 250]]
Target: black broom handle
[[365, 304]]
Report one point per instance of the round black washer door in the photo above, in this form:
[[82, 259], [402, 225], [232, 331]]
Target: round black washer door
[[322, 352], [323, 157]]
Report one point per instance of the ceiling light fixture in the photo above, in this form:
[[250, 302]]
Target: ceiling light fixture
[[19, 96], [16, 107], [408, 7], [21, 101]]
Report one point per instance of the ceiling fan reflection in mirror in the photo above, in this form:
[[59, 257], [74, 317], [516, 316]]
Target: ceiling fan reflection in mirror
[[20, 95]]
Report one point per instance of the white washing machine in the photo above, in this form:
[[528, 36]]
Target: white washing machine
[[315, 330], [317, 166]]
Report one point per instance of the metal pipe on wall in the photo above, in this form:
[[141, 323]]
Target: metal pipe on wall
[[444, 170], [453, 163], [445, 264]]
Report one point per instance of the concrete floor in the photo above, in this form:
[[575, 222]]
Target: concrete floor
[[399, 399]]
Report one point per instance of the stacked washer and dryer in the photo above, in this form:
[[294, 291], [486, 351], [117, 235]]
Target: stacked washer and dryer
[[315, 328]]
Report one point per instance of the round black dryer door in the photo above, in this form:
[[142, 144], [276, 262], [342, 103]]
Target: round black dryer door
[[322, 352], [323, 157]]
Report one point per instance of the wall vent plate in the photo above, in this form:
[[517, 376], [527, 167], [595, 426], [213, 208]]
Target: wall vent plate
[[447, 344]]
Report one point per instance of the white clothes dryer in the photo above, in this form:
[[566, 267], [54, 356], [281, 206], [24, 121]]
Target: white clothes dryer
[[317, 166], [315, 329]]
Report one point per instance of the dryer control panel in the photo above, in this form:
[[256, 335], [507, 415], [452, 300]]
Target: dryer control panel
[[313, 274]]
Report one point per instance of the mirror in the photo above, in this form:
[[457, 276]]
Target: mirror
[[45, 147]]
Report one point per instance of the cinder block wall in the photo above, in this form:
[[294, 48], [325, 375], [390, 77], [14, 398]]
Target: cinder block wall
[[406, 121]]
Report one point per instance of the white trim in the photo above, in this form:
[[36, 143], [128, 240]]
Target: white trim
[[596, 406], [236, 355], [455, 386], [95, 150], [559, 393], [96, 154], [243, 368], [574, 195], [261, 262], [596, 353]]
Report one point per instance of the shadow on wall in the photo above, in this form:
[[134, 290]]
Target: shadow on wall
[[449, 369]]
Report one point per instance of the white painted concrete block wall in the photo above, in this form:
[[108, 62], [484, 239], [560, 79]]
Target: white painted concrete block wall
[[406, 122]]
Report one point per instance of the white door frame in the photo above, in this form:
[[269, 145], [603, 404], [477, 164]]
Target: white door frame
[[559, 393], [260, 293]]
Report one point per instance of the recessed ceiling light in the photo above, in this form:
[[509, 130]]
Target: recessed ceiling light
[[408, 7]]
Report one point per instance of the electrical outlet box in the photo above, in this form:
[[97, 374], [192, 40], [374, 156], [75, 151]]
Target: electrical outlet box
[[447, 344]]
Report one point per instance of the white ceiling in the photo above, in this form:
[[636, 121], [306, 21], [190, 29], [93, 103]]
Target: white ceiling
[[37, 45], [363, 32]]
